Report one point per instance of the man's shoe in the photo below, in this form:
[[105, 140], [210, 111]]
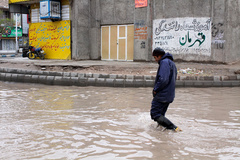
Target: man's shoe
[[177, 129]]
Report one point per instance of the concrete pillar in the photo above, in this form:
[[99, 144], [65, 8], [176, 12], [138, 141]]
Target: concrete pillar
[[95, 30], [143, 33], [80, 29]]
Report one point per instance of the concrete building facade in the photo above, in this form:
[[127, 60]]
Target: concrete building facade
[[191, 30]]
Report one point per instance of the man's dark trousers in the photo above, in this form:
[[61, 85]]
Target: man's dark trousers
[[158, 109]]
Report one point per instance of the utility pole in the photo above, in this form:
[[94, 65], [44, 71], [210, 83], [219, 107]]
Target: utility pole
[[16, 36]]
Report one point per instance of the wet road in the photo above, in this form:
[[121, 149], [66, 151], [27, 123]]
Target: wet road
[[54, 122]]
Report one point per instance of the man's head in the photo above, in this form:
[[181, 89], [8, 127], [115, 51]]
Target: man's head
[[158, 53]]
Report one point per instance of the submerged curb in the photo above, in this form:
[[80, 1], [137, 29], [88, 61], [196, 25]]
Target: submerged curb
[[110, 80]]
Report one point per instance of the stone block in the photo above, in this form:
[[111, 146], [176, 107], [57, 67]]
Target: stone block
[[179, 83], [189, 83], [81, 75], [28, 78], [42, 79], [138, 77], [91, 82], [35, 78], [238, 77], [120, 76], [74, 74], [207, 83], [208, 78], [216, 78], [89, 75], [119, 83], [236, 83], [129, 77], [100, 82], [227, 83], [112, 76], [198, 84], [14, 77], [96, 75], [8, 76], [74, 80], [40, 72], [110, 82], [34, 72], [139, 83], [129, 83], [66, 81], [82, 81], [224, 78], [2, 76], [49, 80], [66, 74], [232, 78], [20, 77], [57, 80], [46, 73], [104, 76], [149, 83], [217, 84], [147, 77]]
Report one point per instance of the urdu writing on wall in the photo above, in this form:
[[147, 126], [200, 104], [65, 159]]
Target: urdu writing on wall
[[183, 35]]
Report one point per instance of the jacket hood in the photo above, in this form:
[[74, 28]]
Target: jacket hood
[[167, 55]]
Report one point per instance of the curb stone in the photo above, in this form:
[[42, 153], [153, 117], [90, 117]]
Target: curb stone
[[110, 80]]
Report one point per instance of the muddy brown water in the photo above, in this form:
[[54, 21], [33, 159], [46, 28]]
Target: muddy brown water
[[94, 123]]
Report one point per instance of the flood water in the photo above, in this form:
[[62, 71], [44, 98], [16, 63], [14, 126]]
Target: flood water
[[95, 123]]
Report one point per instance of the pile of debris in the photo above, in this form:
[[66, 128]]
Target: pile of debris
[[190, 71]]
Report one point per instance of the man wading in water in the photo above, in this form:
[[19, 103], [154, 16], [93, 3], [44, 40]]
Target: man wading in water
[[164, 88]]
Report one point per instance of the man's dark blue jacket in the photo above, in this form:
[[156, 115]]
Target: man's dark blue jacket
[[165, 80]]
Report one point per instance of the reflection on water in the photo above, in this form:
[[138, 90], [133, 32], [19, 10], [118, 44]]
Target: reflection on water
[[55, 122]]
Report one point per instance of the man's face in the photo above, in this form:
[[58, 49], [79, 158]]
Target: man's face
[[157, 58]]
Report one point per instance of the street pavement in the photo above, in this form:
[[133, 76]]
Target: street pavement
[[22, 69]]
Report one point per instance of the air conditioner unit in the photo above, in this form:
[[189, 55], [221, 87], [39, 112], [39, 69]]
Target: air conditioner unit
[[50, 9]]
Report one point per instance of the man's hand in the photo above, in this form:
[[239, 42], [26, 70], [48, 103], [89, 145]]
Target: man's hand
[[154, 93]]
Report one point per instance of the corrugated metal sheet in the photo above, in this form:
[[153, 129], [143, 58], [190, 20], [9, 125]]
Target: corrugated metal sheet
[[34, 15], [65, 12]]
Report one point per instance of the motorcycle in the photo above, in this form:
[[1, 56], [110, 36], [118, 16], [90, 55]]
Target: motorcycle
[[35, 52]]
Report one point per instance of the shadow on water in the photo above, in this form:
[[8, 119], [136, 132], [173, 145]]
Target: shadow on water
[[55, 122]]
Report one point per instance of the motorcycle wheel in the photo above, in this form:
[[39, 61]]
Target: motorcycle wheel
[[31, 55], [41, 56]]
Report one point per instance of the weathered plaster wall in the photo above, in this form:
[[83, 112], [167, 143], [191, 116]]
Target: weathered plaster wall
[[87, 18], [232, 31], [89, 15]]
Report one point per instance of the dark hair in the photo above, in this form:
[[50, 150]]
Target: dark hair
[[158, 51]]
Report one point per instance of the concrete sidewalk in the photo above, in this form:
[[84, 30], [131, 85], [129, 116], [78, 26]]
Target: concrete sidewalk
[[114, 73]]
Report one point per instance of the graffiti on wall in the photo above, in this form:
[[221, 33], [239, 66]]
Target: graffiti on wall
[[183, 35], [217, 35], [53, 37], [140, 31]]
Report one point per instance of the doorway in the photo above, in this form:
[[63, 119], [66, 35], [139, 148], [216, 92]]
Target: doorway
[[117, 42]]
